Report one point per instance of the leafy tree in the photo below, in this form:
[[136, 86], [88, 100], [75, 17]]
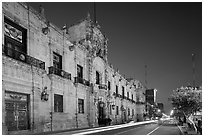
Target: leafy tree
[[187, 100]]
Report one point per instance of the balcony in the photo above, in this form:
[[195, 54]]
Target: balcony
[[140, 102], [133, 101], [20, 56], [102, 86], [59, 72], [116, 94], [82, 81]]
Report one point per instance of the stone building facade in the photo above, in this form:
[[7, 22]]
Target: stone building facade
[[59, 78]]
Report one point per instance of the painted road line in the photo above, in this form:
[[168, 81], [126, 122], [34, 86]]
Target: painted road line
[[180, 129], [114, 127], [153, 130]]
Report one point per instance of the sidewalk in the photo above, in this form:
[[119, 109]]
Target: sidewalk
[[186, 130]]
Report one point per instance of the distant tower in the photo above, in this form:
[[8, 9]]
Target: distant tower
[[193, 67], [146, 76]]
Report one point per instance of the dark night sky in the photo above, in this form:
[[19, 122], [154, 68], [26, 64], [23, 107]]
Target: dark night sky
[[160, 35]]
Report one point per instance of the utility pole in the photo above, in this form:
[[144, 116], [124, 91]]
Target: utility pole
[[193, 67], [146, 76], [94, 12]]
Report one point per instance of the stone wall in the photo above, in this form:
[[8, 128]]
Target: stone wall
[[74, 48]]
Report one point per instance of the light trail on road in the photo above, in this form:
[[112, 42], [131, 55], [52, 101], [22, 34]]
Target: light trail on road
[[153, 130]]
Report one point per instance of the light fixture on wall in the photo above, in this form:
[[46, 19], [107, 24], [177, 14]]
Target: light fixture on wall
[[44, 94], [46, 29], [101, 104], [71, 48], [113, 106], [120, 79]]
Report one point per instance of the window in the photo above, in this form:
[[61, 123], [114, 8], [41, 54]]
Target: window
[[15, 39], [123, 92], [79, 71], [109, 85], [127, 94], [132, 112], [57, 61], [110, 109], [117, 110], [81, 105], [132, 96], [116, 89], [128, 111], [138, 99], [97, 77], [58, 103]]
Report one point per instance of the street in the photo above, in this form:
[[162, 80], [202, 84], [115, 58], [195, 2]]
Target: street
[[167, 128]]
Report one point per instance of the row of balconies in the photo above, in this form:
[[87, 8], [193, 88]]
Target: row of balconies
[[20, 56], [123, 97]]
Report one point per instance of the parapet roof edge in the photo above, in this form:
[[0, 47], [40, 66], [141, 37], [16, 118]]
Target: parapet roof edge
[[34, 11]]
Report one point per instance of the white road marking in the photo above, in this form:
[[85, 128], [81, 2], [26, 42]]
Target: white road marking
[[113, 127], [180, 130], [153, 130]]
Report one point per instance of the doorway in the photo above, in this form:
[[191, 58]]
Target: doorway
[[17, 112]]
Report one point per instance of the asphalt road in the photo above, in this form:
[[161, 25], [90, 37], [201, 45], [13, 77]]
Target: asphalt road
[[147, 129], [166, 128]]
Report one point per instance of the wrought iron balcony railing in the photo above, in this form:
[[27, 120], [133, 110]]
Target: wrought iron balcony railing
[[115, 94], [20, 56], [82, 81], [59, 72], [140, 102], [102, 86]]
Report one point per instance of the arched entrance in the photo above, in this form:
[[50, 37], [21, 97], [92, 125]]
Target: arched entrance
[[101, 113]]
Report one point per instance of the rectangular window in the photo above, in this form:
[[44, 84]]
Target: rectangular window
[[58, 103], [132, 112], [109, 85], [97, 77], [57, 61], [15, 38], [81, 105], [110, 109], [128, 111], [138, 99], [123, 91], [132, 96], [117, 110], [79, 71], [116, 89], [127, 94]]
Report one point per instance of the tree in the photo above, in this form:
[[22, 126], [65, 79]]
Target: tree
[[187, 100]]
